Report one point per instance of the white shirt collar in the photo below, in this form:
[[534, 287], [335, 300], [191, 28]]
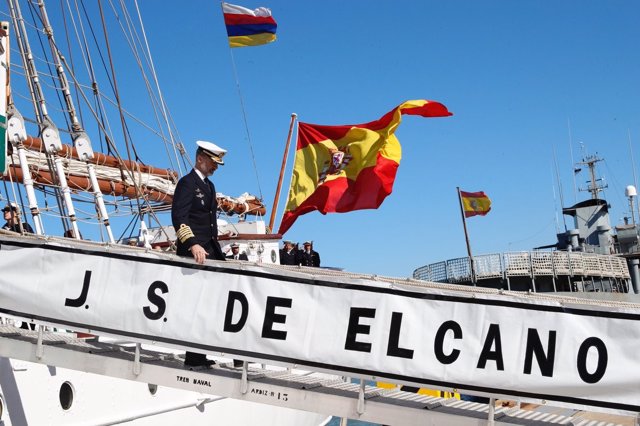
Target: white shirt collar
[[199, 173]]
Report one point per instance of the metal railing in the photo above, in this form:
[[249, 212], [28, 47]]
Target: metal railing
[[522, 264]]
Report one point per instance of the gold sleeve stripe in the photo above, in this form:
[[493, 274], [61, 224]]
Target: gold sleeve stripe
[[184, 233]]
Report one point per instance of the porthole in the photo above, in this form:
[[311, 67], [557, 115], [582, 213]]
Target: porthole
[[273, 256], [66, 395], [1, 407], [153, 389]]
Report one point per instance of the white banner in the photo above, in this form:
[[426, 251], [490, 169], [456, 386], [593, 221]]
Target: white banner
[[527, 346]]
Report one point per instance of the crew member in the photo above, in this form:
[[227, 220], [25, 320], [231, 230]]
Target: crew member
[[288, 254], [13, 223], [235, 253], [194, 218], [308, 256]]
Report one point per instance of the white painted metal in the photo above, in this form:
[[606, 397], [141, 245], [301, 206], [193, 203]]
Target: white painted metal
[[271, 387], [30, 395]]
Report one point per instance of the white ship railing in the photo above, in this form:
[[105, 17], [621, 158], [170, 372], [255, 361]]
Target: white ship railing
[[526, 264]]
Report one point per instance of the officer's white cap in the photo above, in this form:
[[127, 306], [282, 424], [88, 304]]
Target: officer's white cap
[[235, 245], [212, 150], [307, 243]]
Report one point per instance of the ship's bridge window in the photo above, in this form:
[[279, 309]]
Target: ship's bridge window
[[66, 395]]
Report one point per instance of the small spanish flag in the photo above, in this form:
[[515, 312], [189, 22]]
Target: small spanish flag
[[475, 203]]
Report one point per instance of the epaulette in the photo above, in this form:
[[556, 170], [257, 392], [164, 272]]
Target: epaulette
[[184, 233]]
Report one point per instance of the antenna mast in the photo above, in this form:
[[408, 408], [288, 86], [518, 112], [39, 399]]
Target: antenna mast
[[595, 187]]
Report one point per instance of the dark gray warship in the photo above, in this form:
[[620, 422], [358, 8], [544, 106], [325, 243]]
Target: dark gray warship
[[590, 257]]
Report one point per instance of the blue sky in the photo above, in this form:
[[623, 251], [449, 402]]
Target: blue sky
[[523, 78]]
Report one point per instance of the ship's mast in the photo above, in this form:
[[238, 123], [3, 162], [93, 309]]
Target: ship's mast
[[80, 138], [595, 185]]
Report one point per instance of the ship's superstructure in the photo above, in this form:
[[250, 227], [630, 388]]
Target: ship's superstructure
[[589, 257]]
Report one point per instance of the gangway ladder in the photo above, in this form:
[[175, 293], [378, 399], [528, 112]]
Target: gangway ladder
[[284, 387]]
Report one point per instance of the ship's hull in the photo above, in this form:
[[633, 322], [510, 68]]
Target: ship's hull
[[34, 394]]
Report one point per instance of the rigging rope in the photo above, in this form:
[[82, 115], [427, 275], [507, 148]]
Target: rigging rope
[[246, 123], [165, 112]]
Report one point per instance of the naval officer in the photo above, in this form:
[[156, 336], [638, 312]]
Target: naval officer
[[235, 253], [288, 254], [194, 217], [194, 209]]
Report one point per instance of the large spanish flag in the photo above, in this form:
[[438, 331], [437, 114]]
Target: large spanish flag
[[350, 167], [246, 27], [475, 203]]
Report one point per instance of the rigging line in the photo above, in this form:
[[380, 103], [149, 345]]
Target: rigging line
[[103, 117], [55, 80], [86, 57], [19, 197], [106, 123], [131, 36], [97, 45], [555, 163], [163, 105], [133, 40], [114, 151], [131, 224], [133, 117], [113, 73], [112, 146], [35, 89], [246, 124], [129, 142], [573, 164], [135, 44], [20, 35], [156, 100], [70, 50]]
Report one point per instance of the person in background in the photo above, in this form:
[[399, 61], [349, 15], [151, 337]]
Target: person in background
[[288, 253], [235, 253], [12, 217], [308, 256], [194, 217]]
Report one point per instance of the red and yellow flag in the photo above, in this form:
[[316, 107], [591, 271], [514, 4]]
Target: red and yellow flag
[[350, 167], [475, 203]]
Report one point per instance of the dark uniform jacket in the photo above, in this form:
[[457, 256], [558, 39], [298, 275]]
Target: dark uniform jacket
[[194, 216], [288, 258], [308, 259], [241, 256], [16, 227]]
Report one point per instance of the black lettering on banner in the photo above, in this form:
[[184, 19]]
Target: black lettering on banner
[[236, 296], [75, 303], [534, 346], [438, 343], [354, 328], [157, 300], [393, 348], [493, 337], [603, 360], [271, 317]]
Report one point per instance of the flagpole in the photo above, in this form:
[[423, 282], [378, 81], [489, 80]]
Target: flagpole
[[466, 236], [284, 165]]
